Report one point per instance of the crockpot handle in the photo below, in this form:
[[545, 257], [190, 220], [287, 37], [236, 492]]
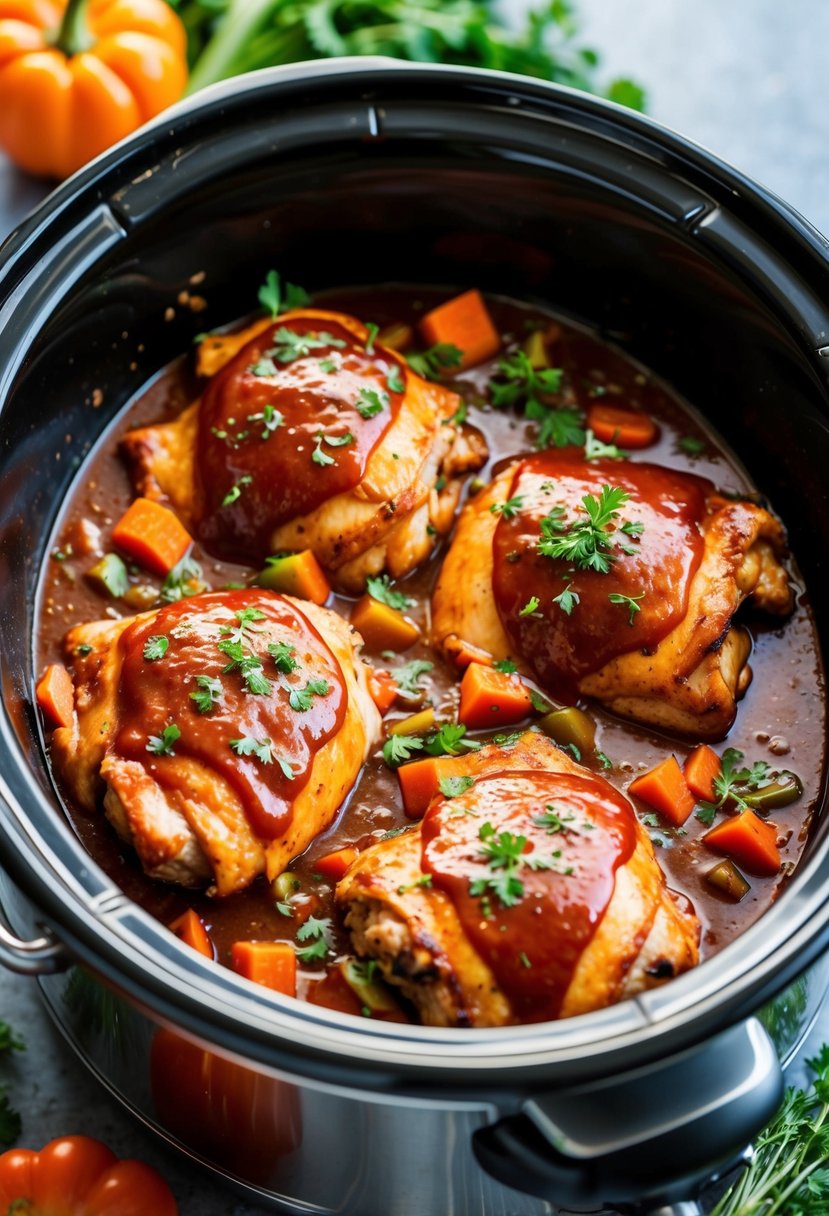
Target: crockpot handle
[[646, 1139], [40, 956]]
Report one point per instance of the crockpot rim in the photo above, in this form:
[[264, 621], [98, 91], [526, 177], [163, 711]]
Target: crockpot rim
[[475, 1050]]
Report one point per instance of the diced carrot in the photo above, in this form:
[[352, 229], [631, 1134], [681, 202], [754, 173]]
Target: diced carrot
[[665, 789], [55, 694], [189, 928], [463, 653], [463, 322], [298, 574], [334, 865], [626, 428], [701, 767], [382, 627], [419, 782], [749, 840], [415, 724], [152, 535], [492, 698], [383, 690], [272, 964]]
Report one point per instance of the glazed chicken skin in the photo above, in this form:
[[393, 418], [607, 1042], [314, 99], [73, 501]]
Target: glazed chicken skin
[[224, 731], [529, 892], [311, 435], [636, 612]]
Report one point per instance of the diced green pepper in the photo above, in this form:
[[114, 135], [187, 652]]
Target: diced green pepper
[[727, 879], [786, 787], [110, 574]]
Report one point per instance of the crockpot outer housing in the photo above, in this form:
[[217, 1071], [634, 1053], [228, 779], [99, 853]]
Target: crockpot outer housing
[[360, 172]]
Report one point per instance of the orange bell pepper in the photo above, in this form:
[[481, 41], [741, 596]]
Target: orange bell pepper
[[75, 78], [78, 1176]]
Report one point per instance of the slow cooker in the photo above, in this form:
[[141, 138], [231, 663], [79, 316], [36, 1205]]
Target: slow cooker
[[360, 171]]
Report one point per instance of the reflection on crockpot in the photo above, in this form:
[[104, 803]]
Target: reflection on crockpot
[[230, 1114]]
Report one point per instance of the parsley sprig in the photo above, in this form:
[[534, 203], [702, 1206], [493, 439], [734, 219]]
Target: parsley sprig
[[735, 784], [521, 385], [162, 745], [276, 297], [380, 589], [788, 1172], [504, 853], [590, 541], [431, 363], [317, 931]]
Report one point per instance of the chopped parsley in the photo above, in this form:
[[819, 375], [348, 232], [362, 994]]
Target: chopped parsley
[[208, 692], [566, 600], [373, 331], [452, 787], [531, 606], [329, 365], [290, 346], [505, 666], [302, 699], [380, 588], [394, 379], [450, 740], [508, 509], [317, 931], [282, 654], [604, 760], [370, 402], [262, 750], [271, 420], [276, 297], [594, 449], [155, 647], [630, 602], [338, 441], [437, 359], [235, 491], [691, 445], [83, 649], [588, 542], [162, 745], [408, 676], [734, 784], [185, 579], [520, 384], [244, 618], [504, 854], [399, 748], [318, 456]]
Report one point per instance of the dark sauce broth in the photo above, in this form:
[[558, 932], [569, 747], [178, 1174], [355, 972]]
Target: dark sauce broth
[[781, 719]]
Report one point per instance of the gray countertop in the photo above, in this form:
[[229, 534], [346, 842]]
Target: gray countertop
[[748, 80]]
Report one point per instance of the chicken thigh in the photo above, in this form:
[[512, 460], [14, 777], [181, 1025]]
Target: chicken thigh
[[614, 580], [225, 731], [529, 892], [310, 436]]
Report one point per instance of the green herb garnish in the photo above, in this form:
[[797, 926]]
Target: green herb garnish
[[276, 297], [431, 363], [208, 693], [380, 588], [156, 647], [162, 745]]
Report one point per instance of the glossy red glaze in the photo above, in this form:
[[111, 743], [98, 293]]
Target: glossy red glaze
[[152, 695], [657, 571], [534, 946], [274, 470]]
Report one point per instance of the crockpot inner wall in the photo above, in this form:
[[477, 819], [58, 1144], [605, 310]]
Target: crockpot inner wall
[[662, 261]]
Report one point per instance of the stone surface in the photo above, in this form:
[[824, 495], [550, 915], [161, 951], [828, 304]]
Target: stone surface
[[748, 80]]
